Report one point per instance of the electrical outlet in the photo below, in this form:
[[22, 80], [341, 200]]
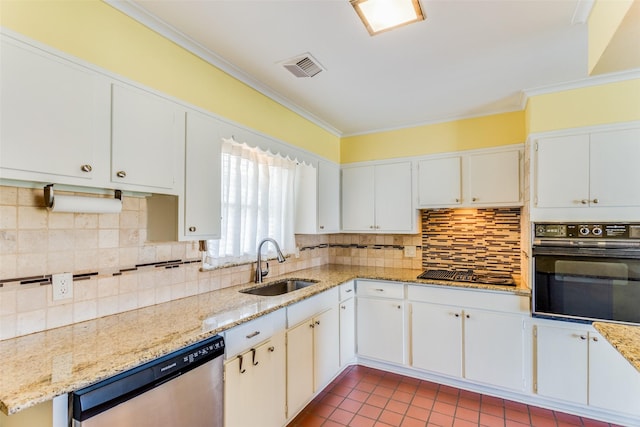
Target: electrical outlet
[[62, 286]]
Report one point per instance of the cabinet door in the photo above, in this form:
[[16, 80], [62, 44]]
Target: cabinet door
[[393, 207], [494, 348], [299, 366], [494, 178], [561, 363], [145, 139], [202, 178], [328, 197], [380, 329], [358, 199], [562, 172], [614, 384], [55, 118], [347, 331], [614, 171], [439, 182], [306, 191], [326, 347], [255, 392], [436, 334]]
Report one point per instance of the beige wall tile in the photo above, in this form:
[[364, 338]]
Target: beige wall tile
[[32, 241], [8, 217], [61, 240], [108, 305], [85, 220], [8, 304], [31, 298], [61, 220], [85, 310], [85, 239], [8, 326], [108, 286], [8, 241], [8, 263], [32, 218], [108, 238], [31, 321], [59, 316], [31, 197], [31, 264], [8, 195]]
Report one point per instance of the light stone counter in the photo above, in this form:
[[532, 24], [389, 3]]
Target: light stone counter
[[624, 338], [37, 367]]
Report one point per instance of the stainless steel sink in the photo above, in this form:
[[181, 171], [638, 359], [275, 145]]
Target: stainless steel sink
[[280, 287]]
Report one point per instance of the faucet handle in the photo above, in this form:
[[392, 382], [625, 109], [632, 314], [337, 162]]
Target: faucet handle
[[266, 270]]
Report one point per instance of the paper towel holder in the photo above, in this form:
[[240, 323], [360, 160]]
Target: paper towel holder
[[48, 195]]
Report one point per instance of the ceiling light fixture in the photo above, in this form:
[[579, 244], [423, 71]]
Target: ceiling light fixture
[[384, 15]]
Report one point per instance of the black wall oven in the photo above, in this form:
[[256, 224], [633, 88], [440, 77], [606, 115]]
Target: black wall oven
[[587, 272]]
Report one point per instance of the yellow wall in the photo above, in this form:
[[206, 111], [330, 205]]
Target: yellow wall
[[99, 34], [604, 20], [596, 105], [467, 134]]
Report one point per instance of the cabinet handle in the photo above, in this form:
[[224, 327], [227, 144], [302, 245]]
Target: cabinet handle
[[242, 371], [121, 174], [86, 168], [344, 307], [192, 229], [253, 357], [595, 339], [349, 290], [317, 322], [271, 349], [322, 227], [371, 227], [379, 289], [583, 337], [596, 201], [312, 325], [253, 334]]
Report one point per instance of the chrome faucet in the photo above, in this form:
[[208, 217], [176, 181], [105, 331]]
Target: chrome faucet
[[260, 273]]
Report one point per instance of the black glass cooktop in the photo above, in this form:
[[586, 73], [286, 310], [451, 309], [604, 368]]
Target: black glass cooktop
[[468, 276]]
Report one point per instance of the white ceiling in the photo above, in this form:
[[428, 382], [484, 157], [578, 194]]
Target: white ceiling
[[468, 58]]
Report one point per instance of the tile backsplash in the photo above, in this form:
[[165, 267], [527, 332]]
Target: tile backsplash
[[115, 269], [477, 239]]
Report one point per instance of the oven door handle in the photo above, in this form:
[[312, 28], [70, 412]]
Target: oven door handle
[[625, 253]]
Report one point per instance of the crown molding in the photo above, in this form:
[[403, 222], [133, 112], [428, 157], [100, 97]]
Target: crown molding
[[140, 15], [580, 84]]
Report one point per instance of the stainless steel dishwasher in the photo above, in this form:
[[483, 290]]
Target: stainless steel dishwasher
[[183, 388]]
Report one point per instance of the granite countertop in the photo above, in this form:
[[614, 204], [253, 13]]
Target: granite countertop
[[624, 338], [38, 367]]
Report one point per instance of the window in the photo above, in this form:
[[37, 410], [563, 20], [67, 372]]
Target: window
[[257, 202]]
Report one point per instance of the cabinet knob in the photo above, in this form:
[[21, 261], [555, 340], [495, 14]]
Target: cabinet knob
[[584, 201], [595, 339], [317, 322], [399, 306], [456, 314], [192, 229], [121, 174], [272, 349], [86, 168], [468, 316], [457, 200], [312, 325], [322, 227], [595, 201], [344, 307], [583, 337], [474, 199]]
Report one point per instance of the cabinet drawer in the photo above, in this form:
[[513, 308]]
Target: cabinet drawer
[[249, 334], [483, 299], [380, 289], [309, 307], [347, 290]]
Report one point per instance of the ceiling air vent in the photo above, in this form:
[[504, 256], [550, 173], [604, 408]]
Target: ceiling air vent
[[303, 66]]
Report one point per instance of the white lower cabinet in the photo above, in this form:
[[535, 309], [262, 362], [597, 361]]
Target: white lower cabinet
[[577, 365], [380, 321], [254, 392], [313, 348], [347, 331], [464, 341], [436, 338]]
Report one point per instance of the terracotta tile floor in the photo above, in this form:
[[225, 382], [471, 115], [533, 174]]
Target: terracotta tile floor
[[366, 397]]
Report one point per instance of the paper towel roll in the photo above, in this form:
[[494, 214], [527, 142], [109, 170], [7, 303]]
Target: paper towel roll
[[86, 204]]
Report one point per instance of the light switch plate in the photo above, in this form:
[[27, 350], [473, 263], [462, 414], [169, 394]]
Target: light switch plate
[[62, 286]]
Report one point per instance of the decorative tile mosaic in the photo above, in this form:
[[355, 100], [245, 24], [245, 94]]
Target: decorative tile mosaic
[[479, 239]]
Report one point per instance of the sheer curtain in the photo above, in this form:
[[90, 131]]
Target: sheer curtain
[[257, 202]]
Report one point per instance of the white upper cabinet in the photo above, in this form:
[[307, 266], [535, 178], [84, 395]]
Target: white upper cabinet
[[593, 176], [202, 194], [378, 198], [482, 178], [439, 182], [494, 178], [55, 118], [147, 139], [328, 197], [317, 198]]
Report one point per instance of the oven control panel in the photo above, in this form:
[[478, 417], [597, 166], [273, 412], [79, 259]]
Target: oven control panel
[[587, 230]]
